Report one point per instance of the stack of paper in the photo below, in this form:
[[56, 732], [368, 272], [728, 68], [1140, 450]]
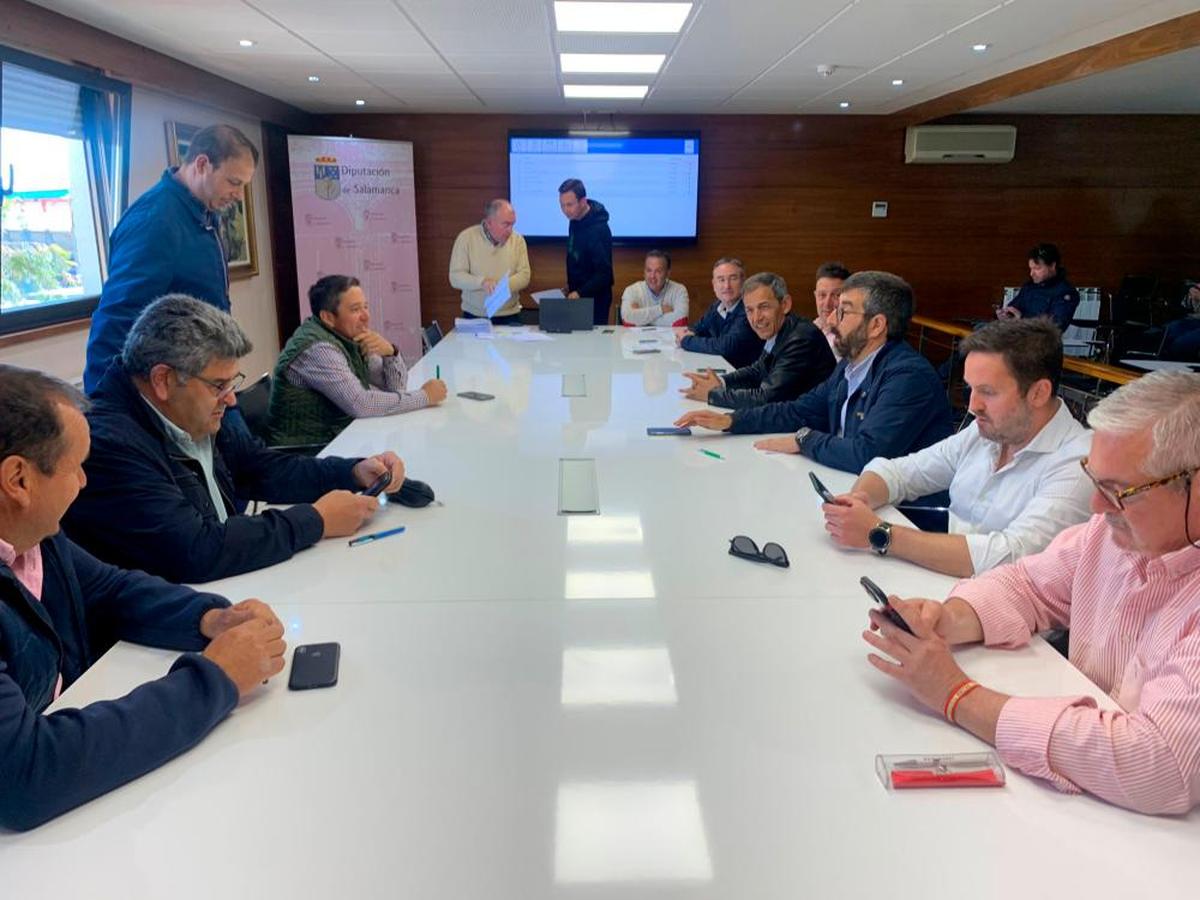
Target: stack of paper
[[473, 326]]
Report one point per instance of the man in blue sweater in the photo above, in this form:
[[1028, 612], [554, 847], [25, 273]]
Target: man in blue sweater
[[883, 399], [168, 242], [724, 330], [1046, 293], [60, 610]]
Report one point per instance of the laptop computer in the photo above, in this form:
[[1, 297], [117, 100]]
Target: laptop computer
[[560, 315]]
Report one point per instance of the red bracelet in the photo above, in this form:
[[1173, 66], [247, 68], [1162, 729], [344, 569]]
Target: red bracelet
[[958, 687], [962, 694]]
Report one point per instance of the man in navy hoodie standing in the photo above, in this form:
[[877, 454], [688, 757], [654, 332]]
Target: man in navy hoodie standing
[[60, 610], [167, 242], [589, 248]]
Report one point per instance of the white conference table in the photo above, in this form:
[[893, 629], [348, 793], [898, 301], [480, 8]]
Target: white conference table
[[533, 705], [1160, 365]]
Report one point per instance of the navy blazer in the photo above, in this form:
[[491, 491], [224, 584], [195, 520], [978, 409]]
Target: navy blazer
[[900, 407], [1055, 297], [799, 361], [729, 336], [49, 764], [147, 506]]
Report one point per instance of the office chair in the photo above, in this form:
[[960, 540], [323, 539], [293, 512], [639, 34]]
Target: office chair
[[254, 402], [431, 335]]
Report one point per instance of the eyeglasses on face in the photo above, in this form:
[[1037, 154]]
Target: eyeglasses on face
[[1117, 497], [843, 311], [222, 389], [745, 548]]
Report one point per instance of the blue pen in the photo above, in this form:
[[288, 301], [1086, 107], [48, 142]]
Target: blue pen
[[367, 538]]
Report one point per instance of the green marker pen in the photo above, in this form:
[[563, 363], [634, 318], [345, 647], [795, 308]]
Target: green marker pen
[[710, 453]]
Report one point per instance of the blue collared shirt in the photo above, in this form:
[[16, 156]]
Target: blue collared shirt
[[856, 374]]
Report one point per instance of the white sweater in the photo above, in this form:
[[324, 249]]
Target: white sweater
[[639, 307]]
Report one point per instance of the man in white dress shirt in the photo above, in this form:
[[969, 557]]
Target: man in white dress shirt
[[656, 300], [1013, 473]]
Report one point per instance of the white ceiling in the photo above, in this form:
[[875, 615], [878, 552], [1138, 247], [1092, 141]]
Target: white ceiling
[[733, 56], [1166, 84]]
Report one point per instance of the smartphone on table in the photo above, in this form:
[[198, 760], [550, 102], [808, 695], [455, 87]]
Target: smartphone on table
[[314, 666], [667, 431], [476, 395]]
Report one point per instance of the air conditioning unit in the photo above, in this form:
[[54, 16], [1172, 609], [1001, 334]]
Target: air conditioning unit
[[960, 143]]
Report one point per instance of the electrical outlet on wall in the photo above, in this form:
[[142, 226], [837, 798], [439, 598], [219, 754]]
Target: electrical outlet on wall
[[879, 209]]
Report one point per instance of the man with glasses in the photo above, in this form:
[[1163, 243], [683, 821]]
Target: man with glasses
[[1127, 585], [723, 330], [1013, 473], [163, 472], [883, 399]]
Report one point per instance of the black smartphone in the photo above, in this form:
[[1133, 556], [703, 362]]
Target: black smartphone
[[875, 592], [476, 395], [607, 330], [646, 350], [378, 485], [716, 371], [819, 487], [314, 666], [647, 340], [667, 431]]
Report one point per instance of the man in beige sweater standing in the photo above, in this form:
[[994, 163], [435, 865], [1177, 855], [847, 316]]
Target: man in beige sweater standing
[[486, 254]]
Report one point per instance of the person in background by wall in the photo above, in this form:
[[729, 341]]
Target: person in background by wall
[[1181, 341], [167, 242], [826, 291], [724, 330], [1046, 293], [484, 254], [656, 300], [589, 248]]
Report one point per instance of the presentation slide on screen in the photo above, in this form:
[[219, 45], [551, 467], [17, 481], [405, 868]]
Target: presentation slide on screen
[[648, 185]]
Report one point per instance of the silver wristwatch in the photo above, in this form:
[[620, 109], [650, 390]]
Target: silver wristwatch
[[801, 436]]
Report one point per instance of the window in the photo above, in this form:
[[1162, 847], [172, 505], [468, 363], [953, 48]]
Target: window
[[64, 170]]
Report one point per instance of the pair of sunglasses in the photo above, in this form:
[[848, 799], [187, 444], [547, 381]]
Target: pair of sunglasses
[[745, 548]]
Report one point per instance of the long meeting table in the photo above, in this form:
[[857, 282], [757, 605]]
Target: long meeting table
[[597, 706]]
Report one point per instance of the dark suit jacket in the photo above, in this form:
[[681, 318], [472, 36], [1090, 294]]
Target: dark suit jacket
[[799, 361]]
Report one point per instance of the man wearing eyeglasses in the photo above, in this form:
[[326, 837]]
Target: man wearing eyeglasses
[[163, 472], [883, 399], [1127, 585], [1013, 473]]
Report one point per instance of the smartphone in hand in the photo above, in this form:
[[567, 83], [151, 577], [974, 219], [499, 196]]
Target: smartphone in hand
[[819, 487], [667, 430], [875, 592], [378, 485]]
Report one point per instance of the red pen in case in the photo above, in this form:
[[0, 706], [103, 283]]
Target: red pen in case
[[940, 771]]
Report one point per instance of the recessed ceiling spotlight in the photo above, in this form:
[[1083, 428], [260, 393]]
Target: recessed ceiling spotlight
[[245, 42], [360, 102], [980, 48], [896, 82], [845, 104], [314, 78]]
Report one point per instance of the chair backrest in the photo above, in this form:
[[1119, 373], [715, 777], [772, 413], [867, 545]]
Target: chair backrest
[[253, 402], [431, 335], [1080, 337]]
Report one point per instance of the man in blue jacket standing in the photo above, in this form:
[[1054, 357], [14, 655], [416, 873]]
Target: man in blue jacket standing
[[168, 241], [883, 399], [163, 472], [61, 608]]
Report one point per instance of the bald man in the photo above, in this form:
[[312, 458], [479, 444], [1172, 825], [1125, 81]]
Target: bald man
[[483, 255]]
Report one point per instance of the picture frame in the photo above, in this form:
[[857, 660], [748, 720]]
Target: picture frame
[[237, 232]]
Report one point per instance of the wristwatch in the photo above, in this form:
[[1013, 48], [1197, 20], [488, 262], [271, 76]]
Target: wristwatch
[[880, 538], [801, 435]]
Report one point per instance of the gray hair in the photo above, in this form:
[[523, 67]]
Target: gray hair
[[184, 333], [887, 295], [730, 261], [766, 279], [1168, 403], [30, 426], [492, 207]]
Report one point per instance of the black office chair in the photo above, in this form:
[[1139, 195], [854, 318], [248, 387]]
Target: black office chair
[[431, 335], [254, 402]]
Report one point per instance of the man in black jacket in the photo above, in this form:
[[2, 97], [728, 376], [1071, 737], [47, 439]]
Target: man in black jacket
[[163, 472], [589, 248], [60, 610], [795, 358]]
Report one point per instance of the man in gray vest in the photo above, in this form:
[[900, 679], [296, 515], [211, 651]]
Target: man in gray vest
[[335, 369]]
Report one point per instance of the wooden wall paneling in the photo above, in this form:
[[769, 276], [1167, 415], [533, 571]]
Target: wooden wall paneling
[[1119, 194]]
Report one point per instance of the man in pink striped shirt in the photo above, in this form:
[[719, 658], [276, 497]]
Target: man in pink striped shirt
[[1126, 583]]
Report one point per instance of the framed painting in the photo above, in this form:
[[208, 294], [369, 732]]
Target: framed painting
[[236, 222]]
